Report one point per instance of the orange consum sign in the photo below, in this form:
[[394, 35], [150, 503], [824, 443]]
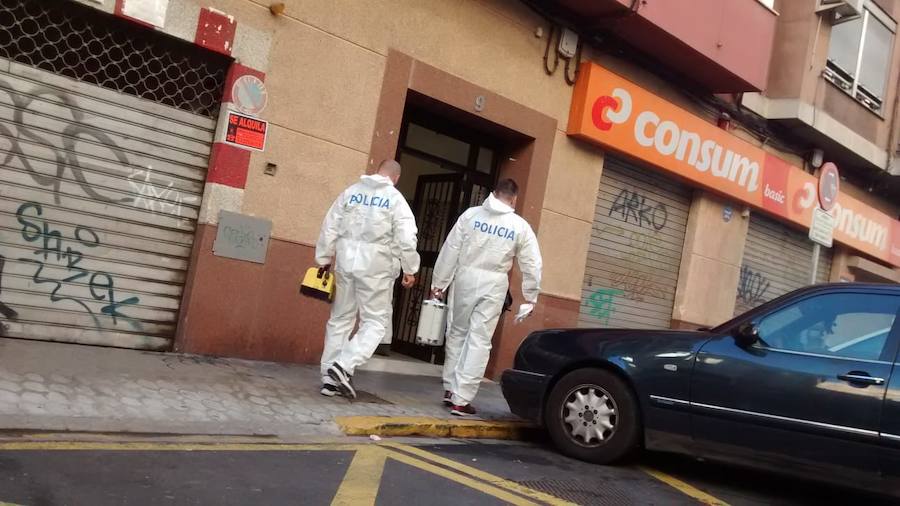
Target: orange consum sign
[[610, 110]]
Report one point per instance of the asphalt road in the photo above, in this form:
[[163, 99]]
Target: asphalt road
[[434, 474], [541, 468]]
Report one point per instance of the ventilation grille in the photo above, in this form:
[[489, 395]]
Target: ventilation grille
[[85, 44]]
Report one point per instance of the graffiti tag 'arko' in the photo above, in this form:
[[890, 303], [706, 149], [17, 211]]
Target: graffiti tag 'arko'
[[631, 206]]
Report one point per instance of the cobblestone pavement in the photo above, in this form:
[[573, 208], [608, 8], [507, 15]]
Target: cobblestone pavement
[[52, 386]]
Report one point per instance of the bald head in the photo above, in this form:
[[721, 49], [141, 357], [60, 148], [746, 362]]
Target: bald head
[[390, 169]]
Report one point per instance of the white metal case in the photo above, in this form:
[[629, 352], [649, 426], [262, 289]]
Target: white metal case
[[432, 323]]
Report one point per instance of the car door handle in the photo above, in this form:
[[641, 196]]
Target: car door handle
[[858, 377]]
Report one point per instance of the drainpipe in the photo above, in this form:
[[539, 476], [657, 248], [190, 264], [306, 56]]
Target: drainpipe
[[893, 141]]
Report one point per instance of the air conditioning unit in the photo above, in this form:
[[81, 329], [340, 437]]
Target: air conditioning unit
[[841, 10]]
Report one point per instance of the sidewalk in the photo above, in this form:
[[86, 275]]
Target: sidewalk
[[58, 387]]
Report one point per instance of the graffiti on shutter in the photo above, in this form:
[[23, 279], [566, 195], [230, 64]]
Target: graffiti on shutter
[[99, 201], [105, 133], [777, 259], [635, 253]]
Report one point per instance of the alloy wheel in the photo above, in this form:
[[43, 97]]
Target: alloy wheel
[[590, 415]]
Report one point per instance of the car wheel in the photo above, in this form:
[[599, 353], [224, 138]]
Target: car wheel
[[592, 415]]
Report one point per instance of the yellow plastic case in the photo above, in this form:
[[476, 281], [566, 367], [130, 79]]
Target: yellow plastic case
[[318, 283]]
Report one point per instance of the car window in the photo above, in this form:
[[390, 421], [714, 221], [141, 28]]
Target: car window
[[868, 345], [851, 325]]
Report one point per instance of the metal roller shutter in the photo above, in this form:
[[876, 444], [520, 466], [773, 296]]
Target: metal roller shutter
[[636, 245], [777, 260], [99, 199]]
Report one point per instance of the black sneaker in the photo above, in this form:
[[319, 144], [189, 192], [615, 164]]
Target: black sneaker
[[466, 410], [329, 390], [344, 381], [448, 398]]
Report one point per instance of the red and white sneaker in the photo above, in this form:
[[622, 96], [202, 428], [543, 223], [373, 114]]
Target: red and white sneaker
[[448, 398], [466, 410]]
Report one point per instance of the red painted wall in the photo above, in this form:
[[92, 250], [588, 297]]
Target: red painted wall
[[723, 45], [735, 34]]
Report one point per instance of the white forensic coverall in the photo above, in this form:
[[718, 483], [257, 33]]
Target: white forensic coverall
[[476, 259], [372, 231]]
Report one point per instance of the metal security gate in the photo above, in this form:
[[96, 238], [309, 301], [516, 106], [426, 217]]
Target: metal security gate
[[99, 189], [777, 260], [636, 244], [436, 209], [447, 168]]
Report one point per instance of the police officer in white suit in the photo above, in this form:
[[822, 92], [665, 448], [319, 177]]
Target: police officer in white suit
[[371, 231], [475, 262]]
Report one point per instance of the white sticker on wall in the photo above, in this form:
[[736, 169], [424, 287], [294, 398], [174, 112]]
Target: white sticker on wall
[[149, 11]]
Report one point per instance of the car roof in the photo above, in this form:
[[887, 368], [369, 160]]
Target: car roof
[[830, 287], [887, 288]]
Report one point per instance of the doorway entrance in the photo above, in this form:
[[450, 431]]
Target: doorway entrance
[[447, 168]]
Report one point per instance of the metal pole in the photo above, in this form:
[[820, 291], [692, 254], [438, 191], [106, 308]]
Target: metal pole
[[815, 262]]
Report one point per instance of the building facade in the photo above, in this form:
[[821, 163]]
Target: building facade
[[168, 163]]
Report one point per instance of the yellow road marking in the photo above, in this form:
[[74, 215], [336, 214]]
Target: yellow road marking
[[481, 475], [188, 447], [462, 479], [360, 483], [362, 480], [684, 488]]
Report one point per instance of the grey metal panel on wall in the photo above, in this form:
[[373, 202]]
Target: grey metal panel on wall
[[777, 259], [637, 239], [99, 198]]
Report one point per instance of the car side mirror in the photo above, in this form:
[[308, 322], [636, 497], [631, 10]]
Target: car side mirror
[[746, 335]]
